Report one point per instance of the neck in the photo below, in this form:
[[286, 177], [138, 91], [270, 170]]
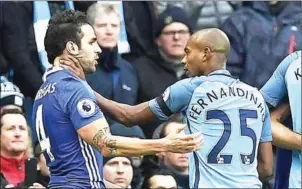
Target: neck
[[13, 155], [57, 61]]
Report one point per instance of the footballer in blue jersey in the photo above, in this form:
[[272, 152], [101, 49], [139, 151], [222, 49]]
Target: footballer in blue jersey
[[231, 115], [71, 129], [64, 104], [286, 80]]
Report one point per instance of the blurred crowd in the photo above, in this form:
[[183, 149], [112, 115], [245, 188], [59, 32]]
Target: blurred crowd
[[142, 46]]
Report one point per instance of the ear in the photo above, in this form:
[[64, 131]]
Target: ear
[[158, 42], [160, 155], [72, 48], [206, 54]]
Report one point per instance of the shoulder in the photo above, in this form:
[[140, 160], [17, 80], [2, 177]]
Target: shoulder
[[189, 84], [287, 61]]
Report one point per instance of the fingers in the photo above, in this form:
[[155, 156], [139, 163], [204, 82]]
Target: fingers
[[191, 136], [75, 60], [192, 142]]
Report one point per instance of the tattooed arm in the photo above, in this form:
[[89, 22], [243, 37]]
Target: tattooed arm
[[98, 135]]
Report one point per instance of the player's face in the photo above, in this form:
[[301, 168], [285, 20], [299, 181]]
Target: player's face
[[173, 39], [14, 134], [119, 171], [162, 181], [107, 30], [192, 60], [88, 54]]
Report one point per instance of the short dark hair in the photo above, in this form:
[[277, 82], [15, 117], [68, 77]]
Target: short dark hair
[[176, 118], [63, 27], [9, 111], [153, 172]]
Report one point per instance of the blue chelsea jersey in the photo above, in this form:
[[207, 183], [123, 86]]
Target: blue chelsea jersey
[[64, 104]]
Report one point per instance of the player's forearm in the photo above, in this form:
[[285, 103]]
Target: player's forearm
[[284, 137], [124, 113], [111, 145], [264, 171]]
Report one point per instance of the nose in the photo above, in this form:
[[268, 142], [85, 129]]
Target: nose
[[97, 48], [17, 132], [184, 59], [120, 169], [109, 30], [176, 36]]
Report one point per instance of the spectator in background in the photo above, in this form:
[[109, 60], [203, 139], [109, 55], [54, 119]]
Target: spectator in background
[[19, 47], [262, 34], [135, 132], [163, 66], [159, 178], [178, 163], [139, 19], [10, 97], [203, 14], [15, 145], [115, 78], [118, 170], [42, 169]]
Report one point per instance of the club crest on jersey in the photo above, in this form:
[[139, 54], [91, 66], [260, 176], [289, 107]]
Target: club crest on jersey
[[166, 94], [86, 107]]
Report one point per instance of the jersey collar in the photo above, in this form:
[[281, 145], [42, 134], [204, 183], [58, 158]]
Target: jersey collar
[[51, 70], [221, 72]]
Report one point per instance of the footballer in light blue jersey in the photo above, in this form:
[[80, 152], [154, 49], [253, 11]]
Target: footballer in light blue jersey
[[233, 119], [63, 105], [232, 116], [287, 80]]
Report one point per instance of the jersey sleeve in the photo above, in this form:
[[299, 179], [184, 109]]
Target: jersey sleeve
[[174, 99], [275, 88], [80, 103], [266, 135]]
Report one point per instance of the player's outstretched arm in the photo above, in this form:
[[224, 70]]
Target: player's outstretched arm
[[126, 114], [283, 137], [98, 134], [265, 160]]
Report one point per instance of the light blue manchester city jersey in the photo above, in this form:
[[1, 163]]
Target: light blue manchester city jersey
[[233, 118], [287, 80]]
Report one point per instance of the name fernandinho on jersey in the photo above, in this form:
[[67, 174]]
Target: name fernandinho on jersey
[[48, 89], [221, 93]]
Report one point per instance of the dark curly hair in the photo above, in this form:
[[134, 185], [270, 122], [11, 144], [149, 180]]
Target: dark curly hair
[[63, 27]]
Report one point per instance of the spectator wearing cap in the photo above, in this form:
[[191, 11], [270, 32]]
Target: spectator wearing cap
[[10, 97], [135, 132], [118, 170], [162, 67]]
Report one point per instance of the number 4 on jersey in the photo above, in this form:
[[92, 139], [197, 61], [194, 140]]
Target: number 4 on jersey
[[43, 140]]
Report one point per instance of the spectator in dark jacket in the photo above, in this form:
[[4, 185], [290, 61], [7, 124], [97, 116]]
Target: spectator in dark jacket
[[19, 47], [162, 67], [262, 34], [115, 78]]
